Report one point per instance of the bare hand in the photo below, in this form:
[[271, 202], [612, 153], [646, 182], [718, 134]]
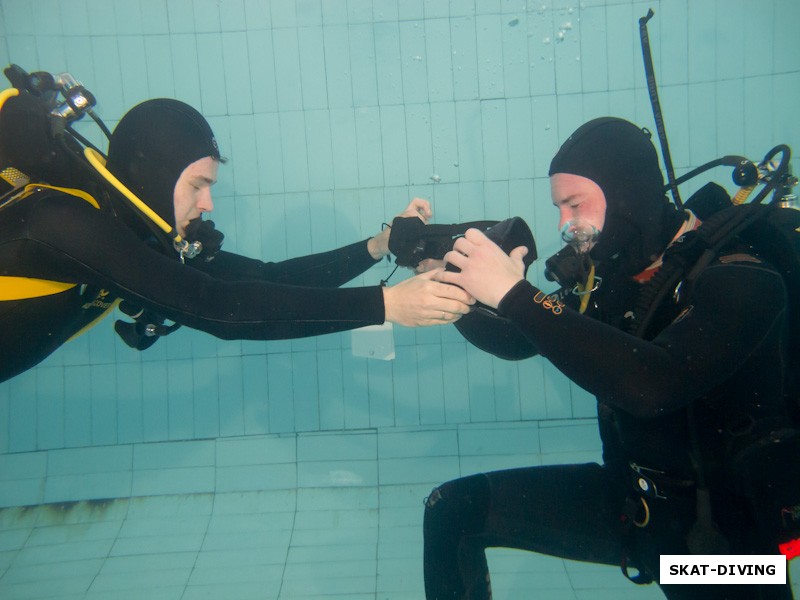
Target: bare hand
[[378, 246], [420, 301], [418, 207], [487, 272]]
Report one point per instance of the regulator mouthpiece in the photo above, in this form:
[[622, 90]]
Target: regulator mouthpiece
[[579, 234]]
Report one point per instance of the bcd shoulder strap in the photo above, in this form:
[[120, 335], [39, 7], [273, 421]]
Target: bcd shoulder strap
[[771, 230]]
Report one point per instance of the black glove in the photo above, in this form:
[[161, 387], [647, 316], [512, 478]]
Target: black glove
[[146, 328], [204, 232]]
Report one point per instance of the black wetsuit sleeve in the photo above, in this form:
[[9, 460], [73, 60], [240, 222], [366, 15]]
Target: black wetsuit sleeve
[[97, 249], [324, 269], [726, 321]]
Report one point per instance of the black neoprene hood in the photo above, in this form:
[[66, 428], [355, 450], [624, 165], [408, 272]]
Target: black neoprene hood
[[152, 145], [620, 158]]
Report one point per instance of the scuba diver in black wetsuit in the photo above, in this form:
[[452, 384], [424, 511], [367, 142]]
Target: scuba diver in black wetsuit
[[78, 233], [678, 413]]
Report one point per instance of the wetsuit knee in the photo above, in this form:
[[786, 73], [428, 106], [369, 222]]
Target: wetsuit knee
[[461, 503]]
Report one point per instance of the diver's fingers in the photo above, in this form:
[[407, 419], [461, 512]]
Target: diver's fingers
[[453, 298], [462, 245], [429, 264], [456, 258], [421, 301], [476, 236], [445, 318], [519, 253], [449, 277], [418, 207]]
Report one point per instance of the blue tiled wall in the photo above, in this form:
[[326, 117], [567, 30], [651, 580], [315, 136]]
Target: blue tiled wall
[[334, 114]]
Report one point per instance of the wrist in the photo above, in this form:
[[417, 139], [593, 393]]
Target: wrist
[[386, 304], [520, 289], [378, 246]]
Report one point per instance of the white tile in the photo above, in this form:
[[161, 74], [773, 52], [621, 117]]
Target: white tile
[[258, 450], [105, 459], [60, 534], [166, 506], [426, 443], [274, 558], [54, 553], [26, 465], [497, 439], [140, 563], [256, 477], [341, 473], [434, 469], [174, 455], [54, 572], [254, 502], [347, 498], [146, 544], [164, 526], [171, 481], [87, 486], [22, 492], [277, 540], [253, 523], [336, 446]]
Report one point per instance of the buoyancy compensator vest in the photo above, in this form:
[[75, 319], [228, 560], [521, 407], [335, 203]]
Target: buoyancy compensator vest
[[40, 150], [763, 469]]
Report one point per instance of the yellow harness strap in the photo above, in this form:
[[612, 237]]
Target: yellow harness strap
[[586, 290], [22, 288]]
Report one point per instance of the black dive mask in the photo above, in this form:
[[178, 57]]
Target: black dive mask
[[412, 241], [483, 327]]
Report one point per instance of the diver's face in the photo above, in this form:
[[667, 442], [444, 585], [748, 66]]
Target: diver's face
[[578, 199], [192, 196]]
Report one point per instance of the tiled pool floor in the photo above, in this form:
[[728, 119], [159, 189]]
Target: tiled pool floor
[[345, 525]]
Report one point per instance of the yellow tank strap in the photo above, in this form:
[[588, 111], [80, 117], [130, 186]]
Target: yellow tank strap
[[6, 94], [23, 288], [35, 187]]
